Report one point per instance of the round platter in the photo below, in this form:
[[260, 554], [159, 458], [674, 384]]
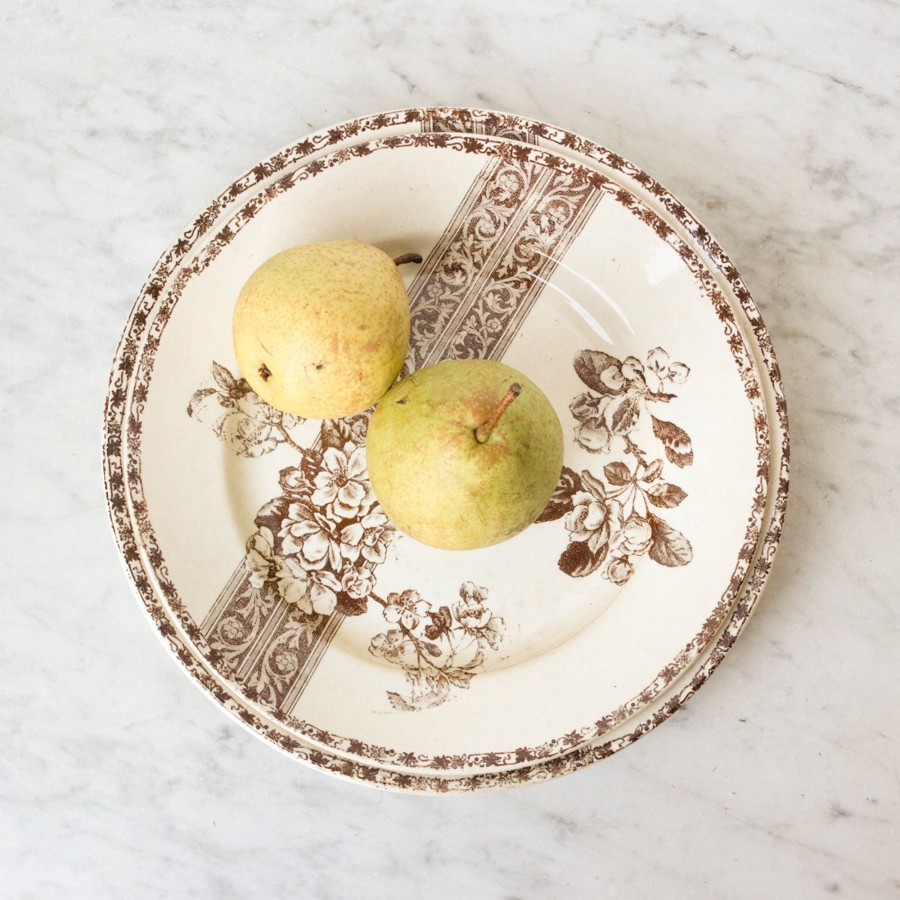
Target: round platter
[[400, 660]]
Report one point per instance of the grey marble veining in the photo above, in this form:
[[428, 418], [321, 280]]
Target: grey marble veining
[[776, 124]]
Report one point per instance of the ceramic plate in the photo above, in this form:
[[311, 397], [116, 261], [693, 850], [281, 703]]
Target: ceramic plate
[[358, 640]]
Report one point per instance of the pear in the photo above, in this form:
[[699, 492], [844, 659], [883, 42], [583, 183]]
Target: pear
[[321, 330], [464, 453]]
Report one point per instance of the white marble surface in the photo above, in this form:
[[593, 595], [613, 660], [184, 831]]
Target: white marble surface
[[778, 123]]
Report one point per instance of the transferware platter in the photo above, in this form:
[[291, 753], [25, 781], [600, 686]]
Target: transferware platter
[[258, 549]]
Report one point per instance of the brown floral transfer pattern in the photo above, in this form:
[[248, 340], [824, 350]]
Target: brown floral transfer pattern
[[437, 649], [612, 523], [316, 548], [128, 395], [467, 299], [562, 196], [318, 544]]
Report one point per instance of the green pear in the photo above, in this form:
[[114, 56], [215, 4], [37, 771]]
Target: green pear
[[321, 330], [464, 453]]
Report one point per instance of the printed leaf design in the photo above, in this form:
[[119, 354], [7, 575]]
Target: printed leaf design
[[198, 397], [593, 484], [226, 381], [666, 495], [560, 501], [396, 700], [600, 372], [351, 606], [668, 547], [311, 464], [271, 514], [676, 441], [578, 561], [441, 623], [421, 701], [335, 433], [461, 678], [623, 414], [653, 471], [617, 473], [302, 509]]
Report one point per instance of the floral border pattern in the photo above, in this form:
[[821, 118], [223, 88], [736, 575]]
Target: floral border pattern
[[127, 394]]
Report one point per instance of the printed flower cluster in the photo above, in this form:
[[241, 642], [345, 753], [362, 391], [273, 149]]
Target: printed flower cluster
[[317, 546], [611, 523], [438, 649], [321, 539], [247, 425]]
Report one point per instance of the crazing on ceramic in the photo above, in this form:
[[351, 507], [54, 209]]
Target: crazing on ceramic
[[330, 534]]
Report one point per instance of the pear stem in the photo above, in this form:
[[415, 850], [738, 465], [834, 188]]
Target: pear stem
[[483, 431], [407, 258]]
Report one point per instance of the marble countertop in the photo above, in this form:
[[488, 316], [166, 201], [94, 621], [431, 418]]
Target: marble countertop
[[778, 124]]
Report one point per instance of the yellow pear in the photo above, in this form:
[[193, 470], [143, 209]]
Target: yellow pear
[[321, 330]]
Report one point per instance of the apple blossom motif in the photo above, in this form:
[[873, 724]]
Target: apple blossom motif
[[358, 583], [317, 546], [259, 559], [438, 649], [589, 520], [293, 583], [611, 520], [342, 483], [238, 417], [470, 610], [393, 647], [407, 608], [310, 536], [636, 536], [591, 432], [659, 364], [367, 538], [329, 525], [619, 570]]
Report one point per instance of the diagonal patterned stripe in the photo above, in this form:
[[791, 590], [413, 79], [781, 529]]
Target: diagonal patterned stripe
[[468, 299]]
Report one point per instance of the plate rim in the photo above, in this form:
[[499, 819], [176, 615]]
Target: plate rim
[[231, 193]]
